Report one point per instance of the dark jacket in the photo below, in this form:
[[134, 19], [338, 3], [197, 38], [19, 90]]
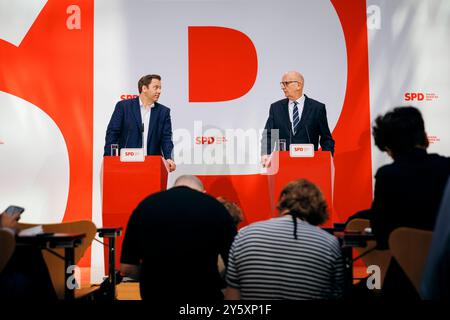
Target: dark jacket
[[125, 129], [313, 126]]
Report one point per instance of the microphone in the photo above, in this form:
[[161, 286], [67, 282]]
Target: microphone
[[290, 137], [307, 133], [142, 130], [128, 134]]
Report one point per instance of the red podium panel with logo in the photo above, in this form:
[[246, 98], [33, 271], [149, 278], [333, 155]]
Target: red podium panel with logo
[[257, 194], [125, 185], [318, 169]]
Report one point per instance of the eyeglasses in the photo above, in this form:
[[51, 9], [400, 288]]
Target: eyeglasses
[[286, 83]]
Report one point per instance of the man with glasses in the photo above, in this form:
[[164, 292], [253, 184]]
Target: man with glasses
[[298, 118]]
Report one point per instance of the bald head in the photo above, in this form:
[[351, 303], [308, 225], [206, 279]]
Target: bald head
[[294, 75], [292, 85], [189, 181]]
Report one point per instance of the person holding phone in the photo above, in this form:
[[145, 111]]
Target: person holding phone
[[21, 279], [10, 217]]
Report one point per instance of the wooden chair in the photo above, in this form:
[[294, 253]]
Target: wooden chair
[[7, 247], [55, 264], [410, 248], [381, 258]]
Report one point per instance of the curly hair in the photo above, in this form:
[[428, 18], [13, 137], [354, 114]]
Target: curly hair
[[233, 209], [400, 130], [303, 199]]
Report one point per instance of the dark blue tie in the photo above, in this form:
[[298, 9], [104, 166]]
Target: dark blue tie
[[296, 119]]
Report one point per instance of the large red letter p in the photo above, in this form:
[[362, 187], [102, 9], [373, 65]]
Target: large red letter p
[[222, 64]]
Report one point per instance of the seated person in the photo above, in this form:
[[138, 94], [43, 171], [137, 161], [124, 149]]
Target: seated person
[[238, 216], [10, 221], [409, 190], [233, 209], [26, 275], [172, 243], [287, 257], [436, 276]]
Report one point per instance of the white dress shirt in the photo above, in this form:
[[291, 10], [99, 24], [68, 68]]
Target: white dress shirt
[[145, 116]]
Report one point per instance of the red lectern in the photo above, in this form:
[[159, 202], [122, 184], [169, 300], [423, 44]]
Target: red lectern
[[257, 194], [318, 169], [125, 185]]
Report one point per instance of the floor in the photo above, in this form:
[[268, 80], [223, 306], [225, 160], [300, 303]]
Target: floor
[[130, 290]]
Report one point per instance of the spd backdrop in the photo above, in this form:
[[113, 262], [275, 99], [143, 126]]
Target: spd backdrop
[[64, 65]]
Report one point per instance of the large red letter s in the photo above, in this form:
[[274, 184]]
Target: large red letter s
[[222, 64]]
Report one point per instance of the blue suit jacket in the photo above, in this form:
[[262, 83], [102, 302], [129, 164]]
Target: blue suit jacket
[[313, 126], [124, 129]]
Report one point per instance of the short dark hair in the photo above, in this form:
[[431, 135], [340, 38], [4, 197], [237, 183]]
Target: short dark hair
[[303, 199], [146, 80], [400, 130]]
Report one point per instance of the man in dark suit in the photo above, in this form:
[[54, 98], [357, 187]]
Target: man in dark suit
[[409, 190], [298, 118], [172, 243], [142, 118]]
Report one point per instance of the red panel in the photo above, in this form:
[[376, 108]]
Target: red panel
[[125, 185], [53, 69], [318, 170], [249, 192], [353, 184], [257, 194], [216, 56]]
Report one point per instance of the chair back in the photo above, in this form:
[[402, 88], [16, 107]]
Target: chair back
[[380, 258], [55, 264], [410, 248]]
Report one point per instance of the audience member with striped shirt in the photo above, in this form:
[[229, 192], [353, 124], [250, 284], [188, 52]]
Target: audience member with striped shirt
[[288, 257]]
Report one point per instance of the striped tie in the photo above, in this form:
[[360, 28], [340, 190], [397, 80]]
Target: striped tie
[[296, 120]]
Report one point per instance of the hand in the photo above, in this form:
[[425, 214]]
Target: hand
[[265, 161], [171, 164], [9, 221]]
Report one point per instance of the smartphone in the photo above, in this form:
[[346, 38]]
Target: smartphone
[[14, 209]]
